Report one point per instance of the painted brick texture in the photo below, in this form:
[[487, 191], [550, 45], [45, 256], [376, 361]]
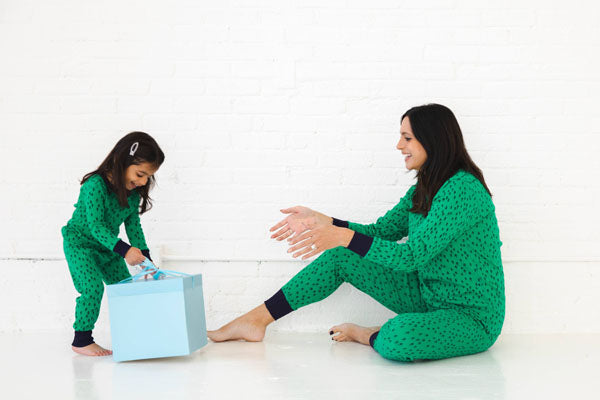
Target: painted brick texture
[[260, 105]]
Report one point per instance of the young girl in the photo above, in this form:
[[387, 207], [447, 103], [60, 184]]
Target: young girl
[[108, 197], [445, 282]]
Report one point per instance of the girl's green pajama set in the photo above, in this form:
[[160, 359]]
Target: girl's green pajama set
[[445, 282], [93, 250]]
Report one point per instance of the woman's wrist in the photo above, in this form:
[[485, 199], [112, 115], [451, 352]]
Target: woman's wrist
[[346, 236], [323, 219], [340, 223]]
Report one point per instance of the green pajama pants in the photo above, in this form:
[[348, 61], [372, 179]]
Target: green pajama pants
[[417, 332], [89, 268]]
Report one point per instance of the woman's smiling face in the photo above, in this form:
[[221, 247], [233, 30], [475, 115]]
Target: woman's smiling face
[[410, 146]]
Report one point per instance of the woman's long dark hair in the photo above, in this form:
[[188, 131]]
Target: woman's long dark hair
[[437, 129], [119, 158]]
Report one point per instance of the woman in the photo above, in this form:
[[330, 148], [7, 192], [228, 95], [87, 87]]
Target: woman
[[445, 282]]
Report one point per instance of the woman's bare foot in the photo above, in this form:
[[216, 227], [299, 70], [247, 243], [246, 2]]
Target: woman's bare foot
[[250, 327], [353, 333], [92, 350]]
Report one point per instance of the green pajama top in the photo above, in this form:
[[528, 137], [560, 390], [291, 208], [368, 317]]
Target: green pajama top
[[455, 249], [98, 217]]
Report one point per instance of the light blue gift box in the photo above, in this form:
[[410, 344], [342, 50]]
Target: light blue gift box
[[156, 317]]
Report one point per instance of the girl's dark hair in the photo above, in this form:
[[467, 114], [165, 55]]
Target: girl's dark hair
[[436, 128], [119, 158]]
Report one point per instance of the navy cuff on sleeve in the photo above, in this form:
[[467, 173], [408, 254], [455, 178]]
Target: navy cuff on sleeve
[[278, 305], [121, 248], [360, 244], [146, 253], [340, 223], [372, 339]]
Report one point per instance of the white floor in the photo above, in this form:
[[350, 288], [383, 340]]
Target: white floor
[[303, 366]]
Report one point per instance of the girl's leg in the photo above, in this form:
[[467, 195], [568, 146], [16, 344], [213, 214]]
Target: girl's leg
[[114, 269], [397, 291], [431, 335], [87, 280]]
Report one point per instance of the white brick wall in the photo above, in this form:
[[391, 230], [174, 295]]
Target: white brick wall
[[261, 105]]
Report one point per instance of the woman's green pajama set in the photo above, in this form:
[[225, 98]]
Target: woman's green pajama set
[[445, 282], [93, 250]]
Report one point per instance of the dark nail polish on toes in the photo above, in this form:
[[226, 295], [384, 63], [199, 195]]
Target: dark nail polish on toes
[[331, 332]]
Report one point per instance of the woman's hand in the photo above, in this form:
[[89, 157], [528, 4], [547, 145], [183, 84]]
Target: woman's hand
[[320, 239], [134, 256], [299, 220]]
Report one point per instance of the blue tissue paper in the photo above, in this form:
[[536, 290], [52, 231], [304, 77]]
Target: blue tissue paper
[[160, 317]]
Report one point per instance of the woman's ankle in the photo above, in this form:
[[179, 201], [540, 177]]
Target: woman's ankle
[[261, 315]]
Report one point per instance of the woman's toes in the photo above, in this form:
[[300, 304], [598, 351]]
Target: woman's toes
[[215, 336], [340, 338]]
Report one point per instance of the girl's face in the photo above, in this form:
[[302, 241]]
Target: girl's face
[[410, 146], [138, 175]]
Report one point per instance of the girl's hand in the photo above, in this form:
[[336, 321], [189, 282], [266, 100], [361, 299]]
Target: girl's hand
[[151, 274], [320, 239], [134, 256], [299, 220], [149, 264]]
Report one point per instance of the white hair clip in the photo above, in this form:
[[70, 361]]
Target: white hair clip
[[133, 148]]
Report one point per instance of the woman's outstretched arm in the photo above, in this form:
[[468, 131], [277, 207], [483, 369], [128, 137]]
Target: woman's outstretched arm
[[460, 204], [299, 220], [393, 226]]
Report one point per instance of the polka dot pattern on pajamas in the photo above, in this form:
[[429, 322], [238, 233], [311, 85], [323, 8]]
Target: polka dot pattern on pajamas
[[445, 282], [89, 239]]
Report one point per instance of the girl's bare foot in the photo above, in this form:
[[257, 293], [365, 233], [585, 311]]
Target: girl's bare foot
[[250, 327], [353, 333], [92, 350]]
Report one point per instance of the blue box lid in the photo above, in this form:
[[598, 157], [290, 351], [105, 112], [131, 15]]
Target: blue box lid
[[165, 284]]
